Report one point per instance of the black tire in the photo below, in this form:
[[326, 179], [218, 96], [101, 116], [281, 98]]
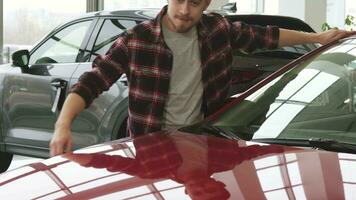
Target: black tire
[[5, 161]]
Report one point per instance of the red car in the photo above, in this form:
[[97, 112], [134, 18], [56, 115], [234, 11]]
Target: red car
[[185, 166], [291, 136]]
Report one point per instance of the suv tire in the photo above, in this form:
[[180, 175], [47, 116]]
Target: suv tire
[[5, 159]]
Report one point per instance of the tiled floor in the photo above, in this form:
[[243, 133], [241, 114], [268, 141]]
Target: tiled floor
[[22, 160]]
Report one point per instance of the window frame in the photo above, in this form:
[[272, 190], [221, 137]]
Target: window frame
[[59, 28], [99, 25]]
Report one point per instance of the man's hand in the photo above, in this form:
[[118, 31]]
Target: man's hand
[[333, 34], [62, 138], [61, 141], [291, 37]]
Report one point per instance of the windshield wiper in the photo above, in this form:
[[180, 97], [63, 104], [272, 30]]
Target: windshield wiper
[[318, 143], [217, 131], [332, 145]]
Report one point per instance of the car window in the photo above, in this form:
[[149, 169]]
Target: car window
[[109, 32], [63, 46], [249, 69], [316, 99]]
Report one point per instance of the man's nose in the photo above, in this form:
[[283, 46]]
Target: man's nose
[[184, 8]]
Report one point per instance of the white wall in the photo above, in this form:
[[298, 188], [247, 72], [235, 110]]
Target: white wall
[[295, 8], [315, 13], [336, 13], [311, 11]]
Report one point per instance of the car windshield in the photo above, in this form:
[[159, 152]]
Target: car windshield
[[315, 99]]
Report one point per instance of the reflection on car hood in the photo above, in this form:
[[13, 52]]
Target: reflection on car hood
[[178, 165]]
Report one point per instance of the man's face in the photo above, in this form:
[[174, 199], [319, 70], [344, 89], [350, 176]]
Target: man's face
[[182, 15]]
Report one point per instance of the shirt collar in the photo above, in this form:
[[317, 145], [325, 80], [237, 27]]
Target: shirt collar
[[201, 26]]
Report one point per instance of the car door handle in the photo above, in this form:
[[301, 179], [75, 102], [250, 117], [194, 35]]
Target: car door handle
[[60, 85], [56, 99], [123, 79]]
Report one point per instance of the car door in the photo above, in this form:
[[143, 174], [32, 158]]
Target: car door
[[33, 96]]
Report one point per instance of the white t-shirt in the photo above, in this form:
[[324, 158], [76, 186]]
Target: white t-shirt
[[183, 106]]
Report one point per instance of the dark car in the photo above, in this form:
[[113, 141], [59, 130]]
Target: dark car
[[291, 136], [34, 87]]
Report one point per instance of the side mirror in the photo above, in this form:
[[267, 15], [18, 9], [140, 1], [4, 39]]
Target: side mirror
[[21, 58], [231, 7]]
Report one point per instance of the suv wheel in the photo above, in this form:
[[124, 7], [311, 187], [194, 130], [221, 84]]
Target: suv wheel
[[5, 159]]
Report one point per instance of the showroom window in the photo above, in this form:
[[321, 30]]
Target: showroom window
[[125, 4], [34, 19], [350, 7], [279, 177], [338, 10], [347, 167]]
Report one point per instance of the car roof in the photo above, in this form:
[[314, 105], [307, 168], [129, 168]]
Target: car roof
[[258, 19], [276, 20], [146, 13]]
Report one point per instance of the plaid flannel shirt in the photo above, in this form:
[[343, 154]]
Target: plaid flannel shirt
[[143, 55]]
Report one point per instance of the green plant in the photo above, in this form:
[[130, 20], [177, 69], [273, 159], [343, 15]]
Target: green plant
[[349, 22]]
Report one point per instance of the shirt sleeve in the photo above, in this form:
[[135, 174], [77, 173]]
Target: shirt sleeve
[[106, 70], [251, 37]]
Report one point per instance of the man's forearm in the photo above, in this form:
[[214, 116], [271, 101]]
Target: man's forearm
[[291, 37], [73, 105]]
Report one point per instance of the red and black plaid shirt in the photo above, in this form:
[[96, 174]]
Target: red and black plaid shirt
[[143, 55]]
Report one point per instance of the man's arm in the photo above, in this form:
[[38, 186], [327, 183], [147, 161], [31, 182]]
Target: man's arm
[[107, 69], [62, 137], [291, 37]]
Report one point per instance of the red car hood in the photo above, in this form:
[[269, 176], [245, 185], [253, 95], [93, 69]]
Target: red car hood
[[185, 166]]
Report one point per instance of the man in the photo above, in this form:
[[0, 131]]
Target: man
[[178, 67]]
